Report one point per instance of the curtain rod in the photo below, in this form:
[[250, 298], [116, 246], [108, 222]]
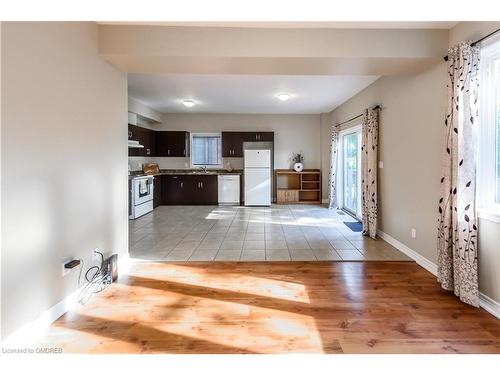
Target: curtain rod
[[478, 41], [358, 116]]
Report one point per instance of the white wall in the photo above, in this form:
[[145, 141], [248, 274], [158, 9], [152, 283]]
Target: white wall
[[64, 162], [292, 133]]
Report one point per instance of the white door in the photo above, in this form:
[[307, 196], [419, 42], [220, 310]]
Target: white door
[[257, 158], [257, 187]]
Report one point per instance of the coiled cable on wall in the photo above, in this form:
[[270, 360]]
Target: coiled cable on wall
[[96, 280]]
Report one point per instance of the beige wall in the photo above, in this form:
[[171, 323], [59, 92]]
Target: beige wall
[[64, 162], [213, 50], [292, 133], [410, 135], [410, 147]]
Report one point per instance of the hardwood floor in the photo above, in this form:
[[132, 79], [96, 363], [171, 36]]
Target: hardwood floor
[[280, 307]]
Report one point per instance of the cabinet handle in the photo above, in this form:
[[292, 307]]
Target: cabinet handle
[[168, 152], [182, 185], [148, 151], [201, 184], [184, 152]]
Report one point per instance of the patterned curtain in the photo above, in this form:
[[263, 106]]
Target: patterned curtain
[[457, 223], [332, 181], [369, 161]]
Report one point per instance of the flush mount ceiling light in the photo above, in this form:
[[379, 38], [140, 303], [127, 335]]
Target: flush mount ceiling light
[[188, 103], [283, 97]]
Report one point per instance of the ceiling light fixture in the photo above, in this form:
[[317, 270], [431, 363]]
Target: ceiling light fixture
[[188, 103], [283, 97]]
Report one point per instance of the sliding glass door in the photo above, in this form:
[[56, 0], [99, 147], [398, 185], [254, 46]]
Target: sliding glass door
[[351, 171]]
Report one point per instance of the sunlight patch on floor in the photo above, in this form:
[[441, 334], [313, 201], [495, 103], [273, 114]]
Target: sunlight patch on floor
[[232, 282]]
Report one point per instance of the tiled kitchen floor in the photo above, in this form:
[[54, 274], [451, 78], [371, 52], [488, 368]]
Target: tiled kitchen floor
[[277, 233]]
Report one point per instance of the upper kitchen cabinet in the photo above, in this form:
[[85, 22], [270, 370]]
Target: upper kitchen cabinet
[[145, 137], [232, 142], [259, 137], [172, 143]]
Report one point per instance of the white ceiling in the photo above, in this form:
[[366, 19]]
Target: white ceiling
[[244, 93], [304, 25]]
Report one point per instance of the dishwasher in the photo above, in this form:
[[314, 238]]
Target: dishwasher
[[229, 189]]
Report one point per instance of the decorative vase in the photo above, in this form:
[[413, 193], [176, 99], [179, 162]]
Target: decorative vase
[[298, 167]]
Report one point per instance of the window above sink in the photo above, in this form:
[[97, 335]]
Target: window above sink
[[206, 150]]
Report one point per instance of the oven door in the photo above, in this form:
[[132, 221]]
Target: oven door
[[143, 190]]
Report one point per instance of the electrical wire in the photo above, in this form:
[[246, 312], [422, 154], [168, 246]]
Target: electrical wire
[[95, 283]]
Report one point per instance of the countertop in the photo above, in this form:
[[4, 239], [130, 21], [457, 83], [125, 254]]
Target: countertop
[[194, 172]]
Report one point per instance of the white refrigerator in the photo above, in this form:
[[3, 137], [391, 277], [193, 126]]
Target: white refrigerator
[[257, 177]]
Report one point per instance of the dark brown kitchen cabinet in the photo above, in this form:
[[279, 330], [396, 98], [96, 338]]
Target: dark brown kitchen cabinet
[[172, 143], [145, 137], [205, 189], [190, 189], [157, 192], [259, 136], [232, 142], [174, 190]]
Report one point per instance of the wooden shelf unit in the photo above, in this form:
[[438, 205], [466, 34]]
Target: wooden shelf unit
[[298, 187]]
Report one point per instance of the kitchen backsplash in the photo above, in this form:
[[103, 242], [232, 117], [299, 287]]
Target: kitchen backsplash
[[135, 162]]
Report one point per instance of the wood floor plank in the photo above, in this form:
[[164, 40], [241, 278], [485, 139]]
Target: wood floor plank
[[276, 307]]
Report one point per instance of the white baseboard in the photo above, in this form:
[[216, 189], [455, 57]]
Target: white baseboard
[[485, 302], [490, 305], [422, 261], [31, 331]]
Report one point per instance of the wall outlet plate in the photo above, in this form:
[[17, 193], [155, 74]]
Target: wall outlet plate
[[413, 233], [381, 164], [64, 270], [94, 254]]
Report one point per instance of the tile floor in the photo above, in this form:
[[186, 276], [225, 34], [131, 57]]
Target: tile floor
[[277, 233]]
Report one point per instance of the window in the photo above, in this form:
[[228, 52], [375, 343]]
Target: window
[[206, 150], [489, 133]]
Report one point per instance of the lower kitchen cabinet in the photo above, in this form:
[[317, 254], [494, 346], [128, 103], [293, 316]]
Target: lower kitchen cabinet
[[189, 189], [157, 193]]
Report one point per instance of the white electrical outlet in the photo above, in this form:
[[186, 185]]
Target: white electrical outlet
[[381, 164], [413, 233], [94, 255], [64, 271]]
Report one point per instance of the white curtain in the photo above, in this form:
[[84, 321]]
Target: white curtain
[[332, 181], [457, 222], [369, 164]]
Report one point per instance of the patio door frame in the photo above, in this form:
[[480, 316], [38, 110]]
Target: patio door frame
[[340, 171]]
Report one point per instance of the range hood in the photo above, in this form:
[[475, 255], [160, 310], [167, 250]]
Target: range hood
[[134, 144]]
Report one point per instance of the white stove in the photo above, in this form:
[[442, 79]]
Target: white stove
[[141, 196]]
